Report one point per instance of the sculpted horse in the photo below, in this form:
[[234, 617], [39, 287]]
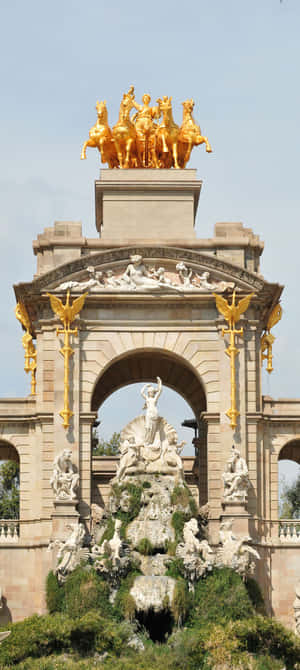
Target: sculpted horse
[[124, 133], [189, 135], [100, 136], [166, 136]]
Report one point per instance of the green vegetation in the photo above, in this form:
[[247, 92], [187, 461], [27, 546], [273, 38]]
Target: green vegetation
[[9, 490], [222, 629], [182, 497], [145, 547], [106, 447], [290, 500]]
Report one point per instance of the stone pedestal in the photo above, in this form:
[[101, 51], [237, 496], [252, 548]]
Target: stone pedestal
[[65, 513], [238, 512], [147, 204]]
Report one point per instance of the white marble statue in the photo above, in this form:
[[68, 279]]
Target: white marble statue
[[197, 556], [185, 274], [65, 479], [236, 478], [297, 609], [130, 456], [151, 419], [148, 443], [235, 552], [71, 552]]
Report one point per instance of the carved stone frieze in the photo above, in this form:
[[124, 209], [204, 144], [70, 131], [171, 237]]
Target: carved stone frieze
[[107, 260]]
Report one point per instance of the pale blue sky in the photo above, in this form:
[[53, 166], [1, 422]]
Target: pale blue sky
[[238, 59]]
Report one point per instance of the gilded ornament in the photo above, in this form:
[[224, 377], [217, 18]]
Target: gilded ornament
[[232, 313], [140, 141], [27, 341], [66, 314], [267, 340]]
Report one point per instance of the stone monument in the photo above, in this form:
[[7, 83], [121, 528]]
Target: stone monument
[[148, 302]]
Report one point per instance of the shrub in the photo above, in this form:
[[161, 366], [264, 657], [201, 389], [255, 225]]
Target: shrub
[[40, 636], [262, 635], [124, 606], [85, 590], [220, 597], [54, 594]]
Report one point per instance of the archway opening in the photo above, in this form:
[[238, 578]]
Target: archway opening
[[117, 398], [9, 482], [289, 480]]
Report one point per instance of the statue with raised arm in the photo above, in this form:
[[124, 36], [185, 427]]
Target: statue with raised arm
[[151, 419]]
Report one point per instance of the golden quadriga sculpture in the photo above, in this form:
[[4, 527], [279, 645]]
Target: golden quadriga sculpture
[[140, 140]]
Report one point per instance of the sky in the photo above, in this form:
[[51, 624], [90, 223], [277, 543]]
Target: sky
[[240, 63]]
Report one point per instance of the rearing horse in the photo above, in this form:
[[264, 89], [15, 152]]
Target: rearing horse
[[124, 133], [166, 136], [189, 135], [100, 136]]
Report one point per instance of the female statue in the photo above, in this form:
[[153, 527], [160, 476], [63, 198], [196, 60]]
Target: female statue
[[151, 419]]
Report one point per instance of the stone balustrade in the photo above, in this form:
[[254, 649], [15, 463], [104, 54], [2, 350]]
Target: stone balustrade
[[9, 530], [289, 530]]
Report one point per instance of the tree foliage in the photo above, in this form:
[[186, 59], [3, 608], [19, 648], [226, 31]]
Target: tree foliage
[[9, 490], [107, 447], [290, 500]]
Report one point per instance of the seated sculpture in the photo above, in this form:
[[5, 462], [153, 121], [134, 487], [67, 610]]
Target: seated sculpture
[[236, 478], [65, 479]]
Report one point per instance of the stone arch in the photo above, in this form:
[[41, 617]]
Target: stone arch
[[145, 365], [8, 452], [291, 450]]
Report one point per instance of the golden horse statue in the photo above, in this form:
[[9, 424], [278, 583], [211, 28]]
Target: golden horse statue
[[166, 136], [189, 135], [124, 133], [100, 136], [146, 132]]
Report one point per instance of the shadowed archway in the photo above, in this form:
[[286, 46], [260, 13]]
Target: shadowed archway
[[145, 366]]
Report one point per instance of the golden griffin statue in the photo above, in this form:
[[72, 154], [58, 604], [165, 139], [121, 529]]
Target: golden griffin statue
[[141, 141], [66, 313], [232, 314]]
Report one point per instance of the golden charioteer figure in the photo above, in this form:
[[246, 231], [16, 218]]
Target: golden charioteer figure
[[140, 141]]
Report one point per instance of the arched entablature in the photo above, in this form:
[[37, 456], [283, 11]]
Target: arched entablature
[[144, 365]]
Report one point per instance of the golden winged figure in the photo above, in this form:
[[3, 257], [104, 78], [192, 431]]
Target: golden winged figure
[[274, 317], [232, 313], [67, 312], [267, 340], [22, 316]]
